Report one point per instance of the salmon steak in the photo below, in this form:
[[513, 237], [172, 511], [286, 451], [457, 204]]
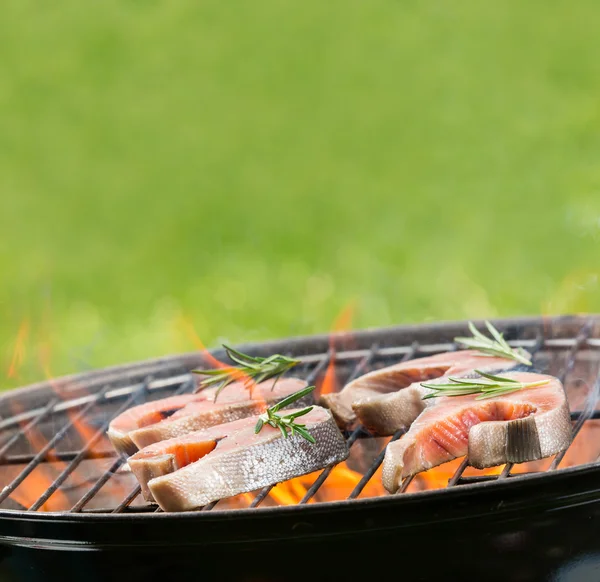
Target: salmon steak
[[389, 399], [174, 416], [188, 472], [521, 426]]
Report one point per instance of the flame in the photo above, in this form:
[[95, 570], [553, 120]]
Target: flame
[[342, 323], [338, 486], [247, 497], [43, 476], [240, 501], [438, 477], [289, 492], [239, 376], [343, 480], [188, 327], [34, 486], [585, 448], [19, 351]]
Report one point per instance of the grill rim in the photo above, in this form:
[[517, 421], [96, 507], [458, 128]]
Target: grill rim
[[281, 524], [128, 374]]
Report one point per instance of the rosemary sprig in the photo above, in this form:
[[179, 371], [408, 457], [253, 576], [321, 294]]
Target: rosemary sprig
[[488, 386], [288, 421], [251, 370], [493, 347]]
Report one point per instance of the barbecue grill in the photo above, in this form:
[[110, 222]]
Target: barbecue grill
[[70, 510]]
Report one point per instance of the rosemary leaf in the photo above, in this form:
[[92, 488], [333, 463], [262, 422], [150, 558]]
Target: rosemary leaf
[[496, 346], [488, 386], [287, 421], [250, 370]]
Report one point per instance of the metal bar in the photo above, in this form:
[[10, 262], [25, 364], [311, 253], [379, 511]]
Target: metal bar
[[82, 453], [326, 472], [97, 485], [373, 468], [458, 473], [506, 471], [486, 478], [581, 338], [32, 424], [309, 379], [139, 509], [261, 496], [362, 364], [405, 484], [128, 500], [56, 457], [392, 351], [577, 414], [48, 447]]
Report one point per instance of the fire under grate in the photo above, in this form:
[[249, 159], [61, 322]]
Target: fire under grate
[[55, 457]]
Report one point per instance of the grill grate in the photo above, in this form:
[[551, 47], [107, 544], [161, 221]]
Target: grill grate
[[17, 430]]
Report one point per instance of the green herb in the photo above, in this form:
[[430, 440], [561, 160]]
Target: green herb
[[283, 423], [488, 386], [251, 370], [493, 347]]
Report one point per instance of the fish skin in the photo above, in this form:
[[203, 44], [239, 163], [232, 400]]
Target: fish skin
[[527, 425], [241, 461], [389, 399], [134, 429]]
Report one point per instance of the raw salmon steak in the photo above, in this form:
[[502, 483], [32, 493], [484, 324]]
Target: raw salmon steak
[[389, 399], [170, 417], [526, 425], [190, 471]]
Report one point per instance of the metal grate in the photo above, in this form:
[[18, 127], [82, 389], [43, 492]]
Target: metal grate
[[557, 355]]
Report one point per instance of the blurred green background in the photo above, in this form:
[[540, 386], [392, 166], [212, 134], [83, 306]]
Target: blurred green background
[[252, 168]]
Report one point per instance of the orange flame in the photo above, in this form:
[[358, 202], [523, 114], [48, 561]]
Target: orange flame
[[438, 477], [19, 351], [343, 322], [339, 484], [42, 477], [235, 372], [190, 331]]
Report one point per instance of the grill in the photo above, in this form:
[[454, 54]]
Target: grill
[[65, 492]]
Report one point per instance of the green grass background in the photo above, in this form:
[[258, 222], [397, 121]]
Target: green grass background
[[254, 167]]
